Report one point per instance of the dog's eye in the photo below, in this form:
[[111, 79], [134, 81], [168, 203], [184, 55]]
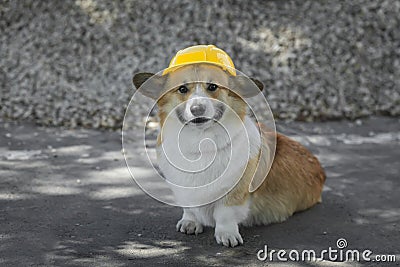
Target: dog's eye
[[212, 87], [183, 89]]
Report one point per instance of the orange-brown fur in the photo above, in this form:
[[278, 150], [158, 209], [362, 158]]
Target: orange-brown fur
[[294, 183]]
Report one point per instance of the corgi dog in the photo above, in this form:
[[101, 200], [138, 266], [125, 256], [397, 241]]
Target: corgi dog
[[195, 111]]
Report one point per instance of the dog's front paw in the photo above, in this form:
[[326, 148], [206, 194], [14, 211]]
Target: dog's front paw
[[230, 238], [189, 227]]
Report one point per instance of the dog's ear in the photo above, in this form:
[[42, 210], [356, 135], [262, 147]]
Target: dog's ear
[[244, 86], [258, 83], [150, 84]]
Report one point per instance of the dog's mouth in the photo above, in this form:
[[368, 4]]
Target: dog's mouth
[[199, 120]]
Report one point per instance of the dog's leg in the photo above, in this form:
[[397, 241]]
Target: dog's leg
[[188, 224], [227, 219]]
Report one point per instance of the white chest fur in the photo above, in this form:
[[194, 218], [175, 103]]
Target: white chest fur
[[212, 160]]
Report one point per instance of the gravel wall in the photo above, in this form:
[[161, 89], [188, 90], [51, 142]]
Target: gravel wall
[[71, 62]]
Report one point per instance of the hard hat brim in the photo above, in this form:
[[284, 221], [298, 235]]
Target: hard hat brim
[[231, 71]]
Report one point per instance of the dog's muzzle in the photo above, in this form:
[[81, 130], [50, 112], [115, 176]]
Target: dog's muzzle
[[198, 111]]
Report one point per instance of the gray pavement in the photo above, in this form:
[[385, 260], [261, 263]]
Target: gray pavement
[[66, 199]]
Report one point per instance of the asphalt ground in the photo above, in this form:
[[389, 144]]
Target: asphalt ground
[[67, 199]]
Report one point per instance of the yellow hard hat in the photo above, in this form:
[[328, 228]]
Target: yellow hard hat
[[201, 54]]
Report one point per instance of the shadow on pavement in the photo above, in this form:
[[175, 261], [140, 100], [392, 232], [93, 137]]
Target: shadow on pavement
[[67, 199]]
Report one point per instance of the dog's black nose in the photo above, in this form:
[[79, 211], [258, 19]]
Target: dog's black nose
[[197, 110]]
